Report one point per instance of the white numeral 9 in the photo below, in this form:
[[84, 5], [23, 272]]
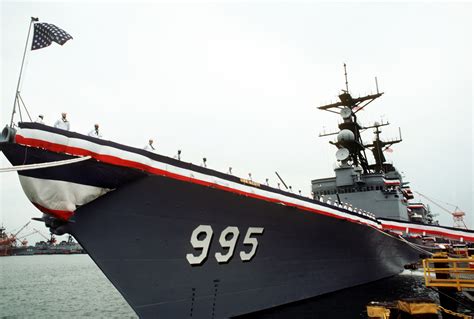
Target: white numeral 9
[[227, 243], [251, 241], [200, 244]]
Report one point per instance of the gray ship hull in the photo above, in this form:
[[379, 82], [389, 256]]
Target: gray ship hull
[[137, 214], [139, 236]]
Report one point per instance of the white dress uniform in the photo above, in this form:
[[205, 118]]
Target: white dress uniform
[[149, 147], [62, 124], [95, 133]]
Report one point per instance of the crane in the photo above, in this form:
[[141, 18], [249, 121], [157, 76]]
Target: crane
[[13, 237], [458, 215], [50, 240], [23, 227], [23, 240]]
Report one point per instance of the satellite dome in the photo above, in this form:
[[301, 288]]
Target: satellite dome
[[345, 136], [346, 113]]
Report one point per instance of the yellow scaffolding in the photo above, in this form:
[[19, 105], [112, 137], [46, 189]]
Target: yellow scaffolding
[[442, 271], [384, 310]]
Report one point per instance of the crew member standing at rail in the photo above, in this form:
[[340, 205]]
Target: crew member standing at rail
[[62, 123], [149, 146], [95, 131], [40, 119]]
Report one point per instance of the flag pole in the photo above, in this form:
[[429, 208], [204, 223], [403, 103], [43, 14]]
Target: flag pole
[[17, 92]]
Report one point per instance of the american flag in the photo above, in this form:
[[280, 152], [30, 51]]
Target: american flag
[[45, 33]]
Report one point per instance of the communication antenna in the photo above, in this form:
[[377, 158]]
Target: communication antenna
[[345, 74], [377, 85]]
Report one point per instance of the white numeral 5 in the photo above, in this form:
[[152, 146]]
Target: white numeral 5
[[251, 241]]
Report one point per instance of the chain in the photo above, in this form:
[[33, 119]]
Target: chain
[[456, 314]]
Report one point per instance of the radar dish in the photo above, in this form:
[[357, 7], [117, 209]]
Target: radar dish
[[345, 136], [342, 154], [346, 113]]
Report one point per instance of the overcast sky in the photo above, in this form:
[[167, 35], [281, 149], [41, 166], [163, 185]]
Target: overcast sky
[[239, 83]]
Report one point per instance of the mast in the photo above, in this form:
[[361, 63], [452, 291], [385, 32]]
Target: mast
[[345, 75], [17, 91], [349, 137], [379, 146]]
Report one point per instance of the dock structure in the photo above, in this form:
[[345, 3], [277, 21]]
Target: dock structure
[[411, 308], [450, 273], [443, 271]]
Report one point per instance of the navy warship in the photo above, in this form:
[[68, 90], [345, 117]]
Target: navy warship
[[182, 240]]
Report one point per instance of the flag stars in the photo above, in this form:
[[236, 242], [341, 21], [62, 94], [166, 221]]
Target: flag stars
[[45, 34]]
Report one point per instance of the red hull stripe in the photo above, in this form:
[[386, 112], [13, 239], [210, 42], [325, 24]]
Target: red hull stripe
[[437, 233], [59, 148], [60, 214]]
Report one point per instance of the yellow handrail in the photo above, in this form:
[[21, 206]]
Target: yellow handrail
[[456, 270]]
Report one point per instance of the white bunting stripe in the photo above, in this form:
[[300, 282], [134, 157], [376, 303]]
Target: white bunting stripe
[[78, 143], [107, 154]]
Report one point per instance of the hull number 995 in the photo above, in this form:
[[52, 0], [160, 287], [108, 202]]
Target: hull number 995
[[201, 240]]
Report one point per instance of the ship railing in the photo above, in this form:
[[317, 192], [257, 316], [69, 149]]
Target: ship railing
[[442, 271], [348, 207]]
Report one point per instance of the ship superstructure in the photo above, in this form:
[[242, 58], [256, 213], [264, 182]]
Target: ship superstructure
[[5, 242], [376, 187]]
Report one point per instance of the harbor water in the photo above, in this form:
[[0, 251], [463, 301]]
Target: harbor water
[[72, 286], [57, 286]]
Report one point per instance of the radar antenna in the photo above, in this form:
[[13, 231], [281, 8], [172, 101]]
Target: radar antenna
[[378, 146], [349, 136]]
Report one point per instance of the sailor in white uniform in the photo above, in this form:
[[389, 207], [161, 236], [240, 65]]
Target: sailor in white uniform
[[95, 132], [149, 146], [40, 119], [62, 123]]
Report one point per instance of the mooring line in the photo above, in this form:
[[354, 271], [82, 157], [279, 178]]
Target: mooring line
[[43, 165]]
